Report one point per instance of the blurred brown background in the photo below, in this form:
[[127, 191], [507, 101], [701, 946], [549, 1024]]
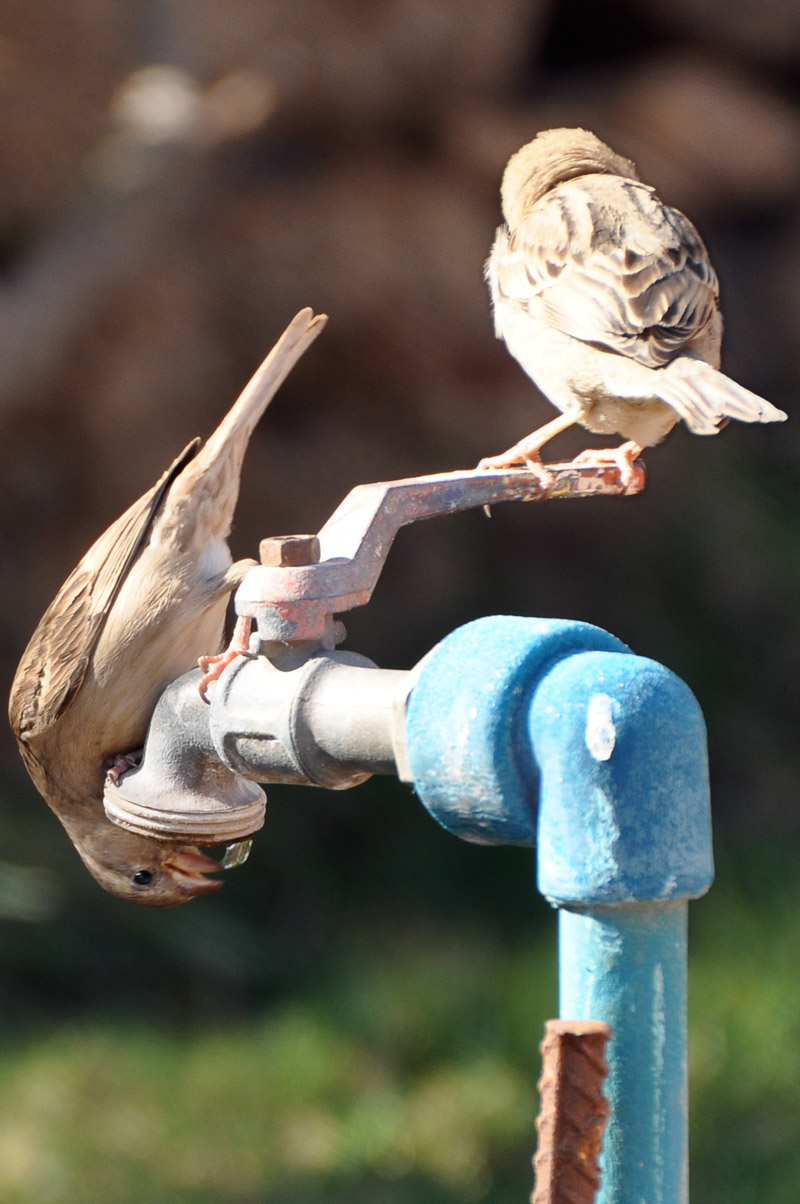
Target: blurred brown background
[[178, 177]]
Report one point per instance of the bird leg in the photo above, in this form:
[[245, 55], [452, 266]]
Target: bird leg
[[623, 457], [528, 450], [212, 666]]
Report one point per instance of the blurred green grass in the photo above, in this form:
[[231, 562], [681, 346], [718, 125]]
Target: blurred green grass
[[403, 1070]]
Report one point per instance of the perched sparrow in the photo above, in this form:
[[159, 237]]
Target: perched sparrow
[[147, 599], [607, 299]]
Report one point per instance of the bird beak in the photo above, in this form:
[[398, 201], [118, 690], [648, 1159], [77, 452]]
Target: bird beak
[[188, 868]]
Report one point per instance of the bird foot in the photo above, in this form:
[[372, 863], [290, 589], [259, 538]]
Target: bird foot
[[621, 457], [122, 764], [213, 666], [520, 457], [528, 451]]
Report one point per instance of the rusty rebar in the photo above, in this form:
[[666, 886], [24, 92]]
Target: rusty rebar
[[572, 1112]]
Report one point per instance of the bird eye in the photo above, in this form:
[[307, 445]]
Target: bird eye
[[142, 878]]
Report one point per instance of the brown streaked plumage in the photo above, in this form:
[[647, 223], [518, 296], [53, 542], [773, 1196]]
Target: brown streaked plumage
[[608, 300], [145, 602]]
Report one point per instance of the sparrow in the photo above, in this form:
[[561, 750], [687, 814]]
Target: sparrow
[[142, 606], [608, 300]]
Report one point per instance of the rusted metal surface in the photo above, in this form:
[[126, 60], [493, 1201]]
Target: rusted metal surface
[[572, 1113], [284, 551], [292, 601]]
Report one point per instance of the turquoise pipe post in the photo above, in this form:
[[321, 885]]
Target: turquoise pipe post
[[550, 732]]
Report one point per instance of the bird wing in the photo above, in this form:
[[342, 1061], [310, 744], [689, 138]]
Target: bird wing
[[602, 260], [54, 664]]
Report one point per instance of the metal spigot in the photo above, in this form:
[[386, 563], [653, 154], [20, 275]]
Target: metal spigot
[[306, 580], [296, 710]]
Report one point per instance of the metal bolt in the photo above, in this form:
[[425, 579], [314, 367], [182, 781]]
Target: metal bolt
[[289, 551], [573, 1112]]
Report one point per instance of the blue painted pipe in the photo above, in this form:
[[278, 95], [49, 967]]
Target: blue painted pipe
[[627, 966], [550, 732]]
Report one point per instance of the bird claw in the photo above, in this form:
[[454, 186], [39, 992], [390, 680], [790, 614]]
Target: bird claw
[[213, 666], [514, 458], [541, 472], [622, 457], [122, 764]]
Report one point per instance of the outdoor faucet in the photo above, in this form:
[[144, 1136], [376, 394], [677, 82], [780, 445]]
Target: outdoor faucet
[[296, 710]]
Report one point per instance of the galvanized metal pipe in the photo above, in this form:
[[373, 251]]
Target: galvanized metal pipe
[[303, 715], [327, 719]]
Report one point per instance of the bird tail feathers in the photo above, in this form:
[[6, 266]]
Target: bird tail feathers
[[240, 421], [218, 463], [704, 397]]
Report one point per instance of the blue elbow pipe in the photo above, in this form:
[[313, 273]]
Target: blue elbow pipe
[[550, 732]]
